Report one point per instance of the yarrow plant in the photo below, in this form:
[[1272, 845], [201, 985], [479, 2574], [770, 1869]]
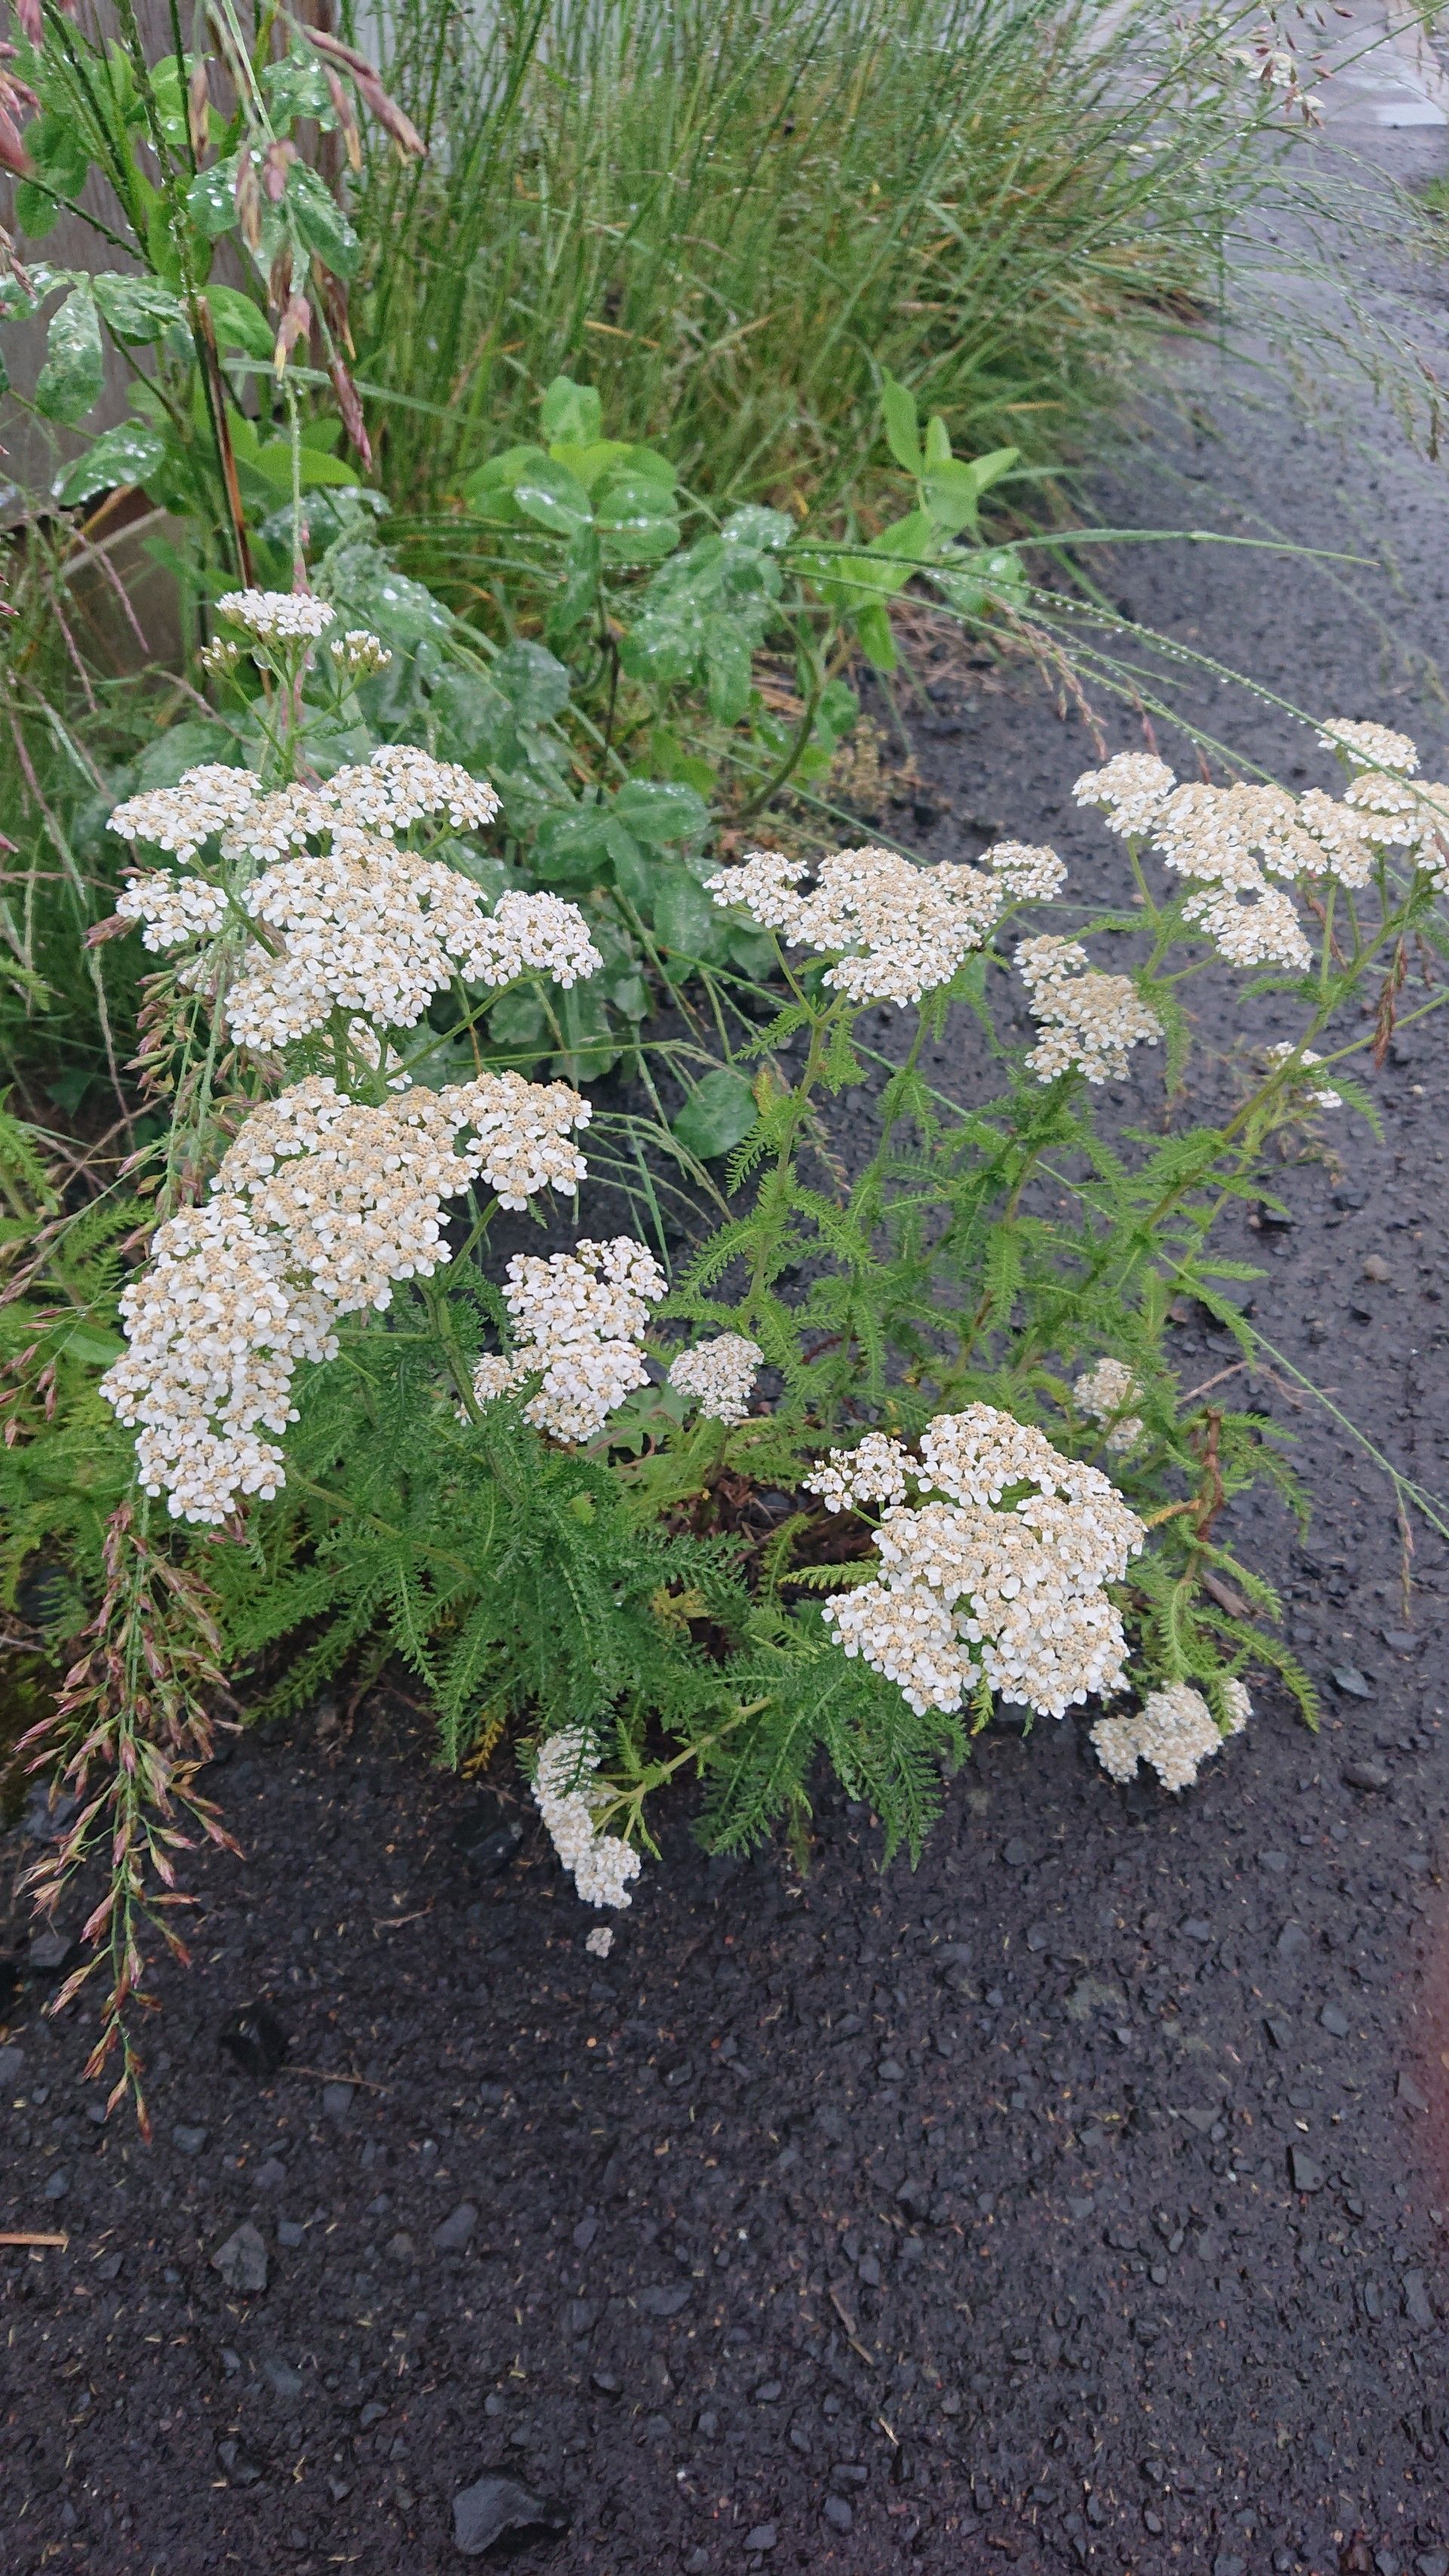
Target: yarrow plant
[[891, 1437]]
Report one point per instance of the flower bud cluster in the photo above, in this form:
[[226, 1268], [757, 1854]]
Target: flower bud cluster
[[720, 1375], [894, 930], [1089, 1020], [990, 1581], [568, 1799], [1319, 1095], [358, 654], [1105, 1392], [1174, 1730]]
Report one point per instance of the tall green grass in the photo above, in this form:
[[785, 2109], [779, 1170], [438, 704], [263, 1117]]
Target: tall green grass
[[728, 214]]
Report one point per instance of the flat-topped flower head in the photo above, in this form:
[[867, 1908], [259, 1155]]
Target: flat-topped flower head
[[720, 1375], [1088, 1020], [1174, 1730], [998, 1575], [567, 1796], [1029, 874], [1105, 1392], [1130, 790], [277, 616], [874, 1471], [893, 930], [578, 1320], [1261, 930], [180, 819], [1370, 746]]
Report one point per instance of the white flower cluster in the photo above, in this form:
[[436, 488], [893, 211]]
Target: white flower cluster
[[568, 1800], [320, 1205], [277, 616], [896, 931], [1130, 791], [1105, 1393], [1016, 1594], [1089, 1020], [578, 1317], [1321, 1096], [720, 1375], [1370, 746], [874, 1471], [1030, 875], [1266, 932], [358, 925], [1174, 1730], [214, 1328]]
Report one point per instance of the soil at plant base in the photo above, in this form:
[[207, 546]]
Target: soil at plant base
[[1073, 2201]]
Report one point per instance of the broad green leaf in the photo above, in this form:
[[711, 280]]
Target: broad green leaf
[[951, 495], [727, 667], [718, 1114], [571, 412], [211, 198], [137, 308], [519, 1021], [938, 442], [130, 453], [321, 222], [275, 461], [36, 212], [839, 708], [533, 680], [553, 498], [684, 918], [55, 145], [989, 469], [74, 370], [575, 601], [298, 87], [660, 811], [877, 642], [902, 435], [637, 519], [759, 530], [662, 646], [238, 323]]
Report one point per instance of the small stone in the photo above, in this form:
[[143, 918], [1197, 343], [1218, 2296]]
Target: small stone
[[1418, 2307], [499, 2507], [1292, 1940], [1376, 1268], [1016, 1853], [1365, 1775], [1432, 2562], [763, 2537], [837, 2513], [891, 2071], [47, 1821], [1038, 1937], [666, 2300], [1403, 1641], [455, 2230], [281, 2378], [1275, 1861], [1408, 2091], [12, 2060], [241, 2469], [1354, 1684], [696, 2563], [372, 2413], [337, 2101], [609, 2384], [186, 2140], [1197, 1929], [767, 2392], [269, 2175], [242, 2260], [1306, 2173], [57, 2184], [915, 2196], [51, 1953], [1334, 2020], [580, 2317], [291, 2232], [487, 1837], [255, 2041], [400, 2248], [585, 2232]]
